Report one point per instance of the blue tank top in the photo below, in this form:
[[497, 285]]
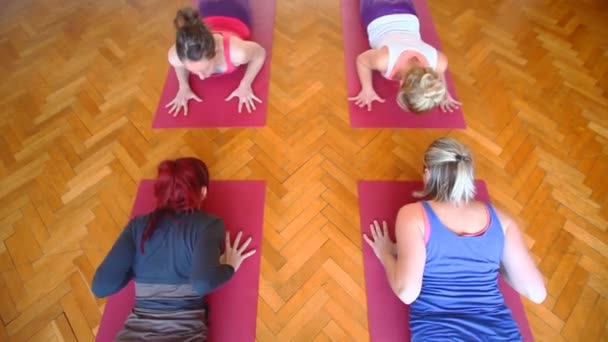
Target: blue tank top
[[460, 299]]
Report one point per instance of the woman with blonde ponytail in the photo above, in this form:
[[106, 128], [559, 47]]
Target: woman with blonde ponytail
[[399, 54], [450, 249]]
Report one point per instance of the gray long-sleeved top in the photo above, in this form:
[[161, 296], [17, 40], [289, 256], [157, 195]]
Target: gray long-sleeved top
[[179, 266]]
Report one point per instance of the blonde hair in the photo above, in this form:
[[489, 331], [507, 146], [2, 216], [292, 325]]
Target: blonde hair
[[450, 166], [422, 89]]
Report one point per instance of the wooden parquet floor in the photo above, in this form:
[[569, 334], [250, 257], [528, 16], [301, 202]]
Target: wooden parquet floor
[[81, 80]]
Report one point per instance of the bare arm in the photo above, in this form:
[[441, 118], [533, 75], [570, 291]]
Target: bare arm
[[254, 55], [404, 271], [180, 70], [517, 265], [250, 53], [367, 62], [184, 93]]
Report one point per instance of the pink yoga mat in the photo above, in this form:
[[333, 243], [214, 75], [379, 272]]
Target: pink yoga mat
[[241, 205], [388, 114], [388, 316], [214, 111]]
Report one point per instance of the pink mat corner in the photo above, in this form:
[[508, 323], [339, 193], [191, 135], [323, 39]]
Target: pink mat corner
[[388, 114], [237, 300], [214, 111], [387, 315]]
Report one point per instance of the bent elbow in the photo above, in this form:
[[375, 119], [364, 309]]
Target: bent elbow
[[100, 287], [538, 296], [408, 294]]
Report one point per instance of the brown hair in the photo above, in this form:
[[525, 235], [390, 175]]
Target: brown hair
[[422, 89], [193, 39]]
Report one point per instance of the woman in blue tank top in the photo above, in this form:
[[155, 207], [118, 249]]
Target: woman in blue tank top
[[449, 252]]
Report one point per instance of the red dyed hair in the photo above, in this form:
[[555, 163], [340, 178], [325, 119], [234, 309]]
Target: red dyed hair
[[177, 188]]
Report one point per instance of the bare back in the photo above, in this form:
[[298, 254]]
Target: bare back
[[466, 219]]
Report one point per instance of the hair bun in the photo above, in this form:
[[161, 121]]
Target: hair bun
[[186, 17]]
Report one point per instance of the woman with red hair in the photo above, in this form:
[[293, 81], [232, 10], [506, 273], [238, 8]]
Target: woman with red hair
[[173, 254]]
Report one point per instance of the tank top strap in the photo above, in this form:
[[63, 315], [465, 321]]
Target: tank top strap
[[226, 40], [495, 225], [426, 225], [430, 214]]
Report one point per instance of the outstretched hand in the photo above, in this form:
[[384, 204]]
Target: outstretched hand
[[448, 104], [233, 254], [181, 101], [380, 241], [365, 98], [246, 97]]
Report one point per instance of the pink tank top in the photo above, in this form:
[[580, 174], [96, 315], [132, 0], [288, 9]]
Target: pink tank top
[[228, 27]]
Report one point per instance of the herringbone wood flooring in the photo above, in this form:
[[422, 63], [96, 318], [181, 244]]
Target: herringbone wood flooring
[[81, 80]]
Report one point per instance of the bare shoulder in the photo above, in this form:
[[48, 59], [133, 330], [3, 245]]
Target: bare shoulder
[[375, 59], [410, 216], [381, 59], [242, 51], [173, 58], [442, 62], [505, 219]]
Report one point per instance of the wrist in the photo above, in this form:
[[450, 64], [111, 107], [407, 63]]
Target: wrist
[[387, 256]]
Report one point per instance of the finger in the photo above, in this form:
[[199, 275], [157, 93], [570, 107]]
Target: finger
[[248, 106], [198, 99], [378, 229], [170, 104], [385, 228], [245, 245], [256, 99], [359, 103], [248, 254], [252, 104], [229, 97], [374, 232], [368, 240], [354, 98], [227, 242], [369, 106], [240, 106], [237, 240], [177, 109], [381, 100], [172, 109], [186, 109]]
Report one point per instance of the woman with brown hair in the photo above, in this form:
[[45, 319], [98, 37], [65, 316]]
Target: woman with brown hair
[[216, 44]]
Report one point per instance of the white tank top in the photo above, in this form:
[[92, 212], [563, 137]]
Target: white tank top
[[399, 33]]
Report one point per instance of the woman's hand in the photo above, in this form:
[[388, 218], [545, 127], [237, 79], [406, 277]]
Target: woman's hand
[[181, 101], [245, 95], [365, 98], [380, 242], [449, 104], [235, 255]]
